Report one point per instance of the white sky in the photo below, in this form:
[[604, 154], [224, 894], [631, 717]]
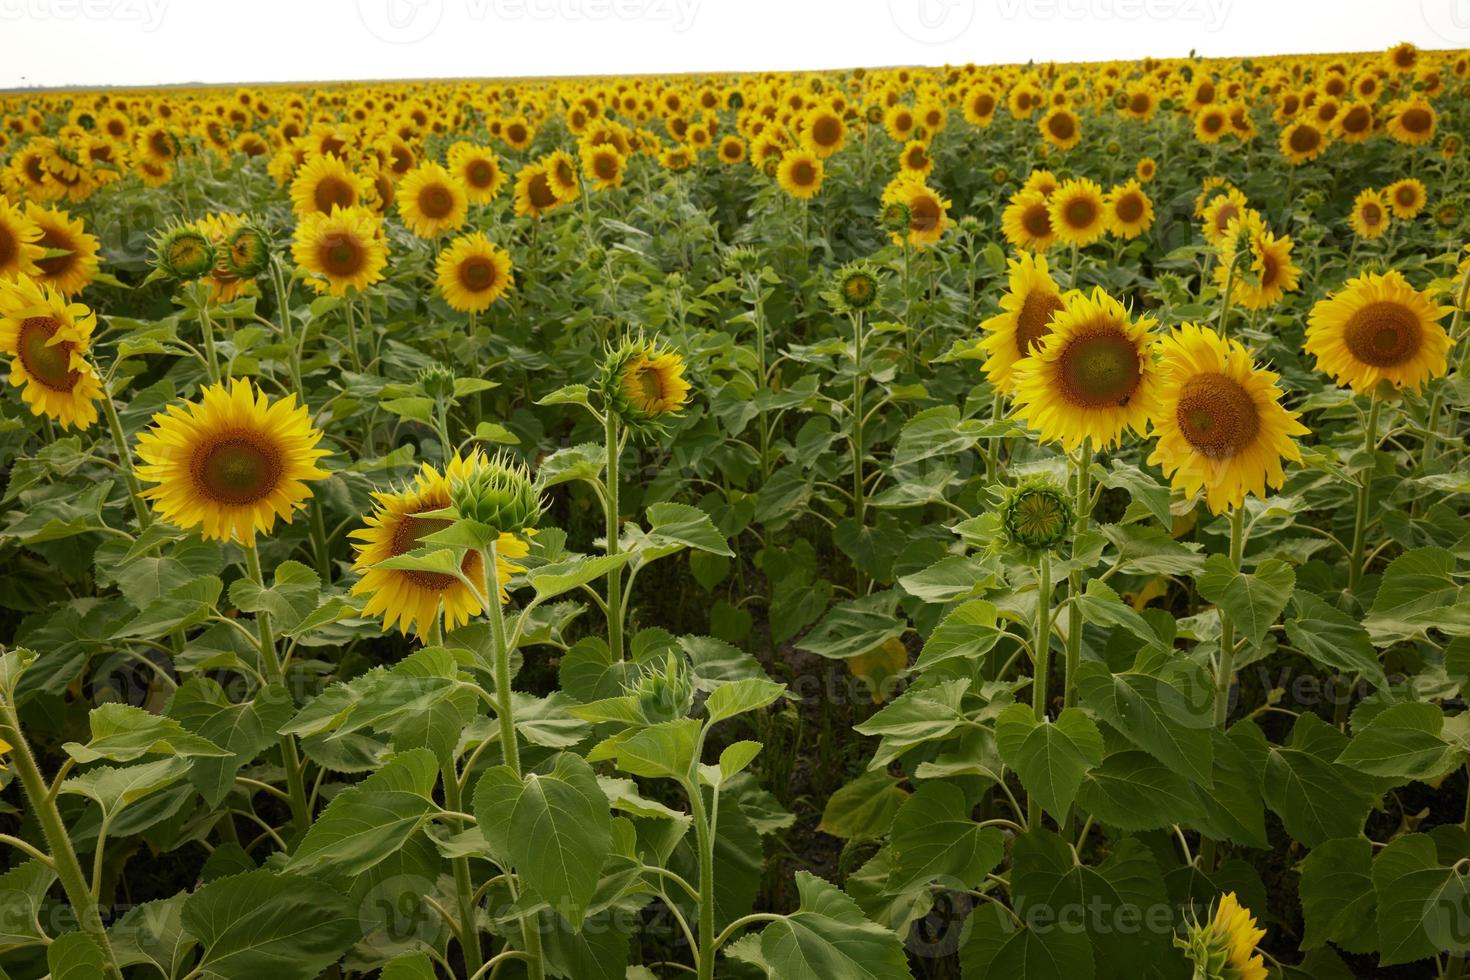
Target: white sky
[[94, 42]]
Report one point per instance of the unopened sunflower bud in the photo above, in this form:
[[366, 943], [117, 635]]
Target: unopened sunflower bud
[[642, 383], [437, 382], [183, 253], [895, 217], [857, 286], [247, 252], [1037, 516], [665, 694], [498, 493]]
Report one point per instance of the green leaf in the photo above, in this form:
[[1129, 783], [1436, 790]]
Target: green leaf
[[153, 933], [1414, 596], [554, 827], [1169, 718], [553, 580], [261, 924], [1134, 791], [243, 730], [968, 633], [916, 716], [688, 526], [856, 627], [864, 808], [1423, 907], [116, 789], [933, 838], [1403, 741], [292, 596], [660, 751], [123, 733], [1338, 902], [1254, 600], [829, 937], [23, 895], [1333, 639], [736, 756], [75, 956], [738, 697], [1050, 757], [1317, 799], [359, 829]]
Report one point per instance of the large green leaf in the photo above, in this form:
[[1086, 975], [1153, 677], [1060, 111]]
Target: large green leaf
[[262, 924], [829, 937], [1423, 906], [1253, 600], [123, 733], [1050, 757], [358, 829], [1167, 716], [934, 838], [1336, 890]]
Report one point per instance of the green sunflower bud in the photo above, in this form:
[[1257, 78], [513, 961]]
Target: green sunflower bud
[[857, 286], [1037, 516], [437, 382], [247, 252], [667, 693], [183, 253], [642, 383], [895, 217], [742, 260], [499, 493]]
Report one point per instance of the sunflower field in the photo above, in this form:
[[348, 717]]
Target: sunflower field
[[965, 522]]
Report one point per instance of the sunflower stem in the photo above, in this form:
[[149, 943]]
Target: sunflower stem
[[125, 460], [469, 933], [1365, 486], [1074, 578], [290, 760], [1040, 674], [614, 577], [858, 504], [206, 327], [1225, 297], [1426, 455], [352, 354], [63, 856], [1225, 666]]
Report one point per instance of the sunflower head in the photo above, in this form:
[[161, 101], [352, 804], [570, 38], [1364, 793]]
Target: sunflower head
[[664, 692], [894, 217], [1225, 947], [247, 251], [497, 492], [183, 253], [643, 383], [437, 381], [857, 286], [1378, 329], [1037, 516]]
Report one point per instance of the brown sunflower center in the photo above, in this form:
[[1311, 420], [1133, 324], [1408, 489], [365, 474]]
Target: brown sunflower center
[[540, 192], [410, 530], [1033, 322], [606, 167], [803, 174], [1217, 416], [342, 255], [1372, 215], [435, 201], [1138, 104], [9, 246], [237, 467], [1270, 269], [1213, 122], [1129, 208], [1406, 197], [480, 173], [1062, 126], [826, 131], [161, 144], [515, 132], [47, 363], [923, 214], [1416, 120], [332, 191], [1100, 370], [56, 265], [1079, 213], [1383, 334], [1355, 120], [1304, 139], [1037, 221], [477, 274]]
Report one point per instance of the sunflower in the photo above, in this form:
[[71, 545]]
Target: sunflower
[[1127, 211], [533, 195], [1369, 217], [1026, 221], [156, 143], [1077, 212], [18, 248], [478, 170], [74, 265], [800, 174], [604, 166], [824, 131], [1219, 420], [325, 182], [431, 201], [1270, 273], [1302, 142], [1226, 947], [1093, 375], [561, 174], [1024, 321], [345, 248], [1354, 124], [979, 106], [927, 210], [915, 160], [1406, 198], [651, 381], [1061, 128], [473, 272], [230, 463], [1412, 122], [900, 122], [412, 600], [47, 340], [731, 150], [1224, 207], [1378, 328], [1211, 123], [1146, 170], [1043, 182]]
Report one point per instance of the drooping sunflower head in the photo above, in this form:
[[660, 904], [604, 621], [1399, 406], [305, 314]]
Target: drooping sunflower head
[[1264, 275], [1018, 330], [183, 252], [1223, 208], [1378, 329], [345, 249], [430, 201], [1219, 421], [47, 341], [1093, 376], [1225, 947], [473, 273], [1077, 212], [496, 491], [1037, 516], [643, 383], [230, 463], [18, 238], [412, 600], [246, 251], [561, 172]]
